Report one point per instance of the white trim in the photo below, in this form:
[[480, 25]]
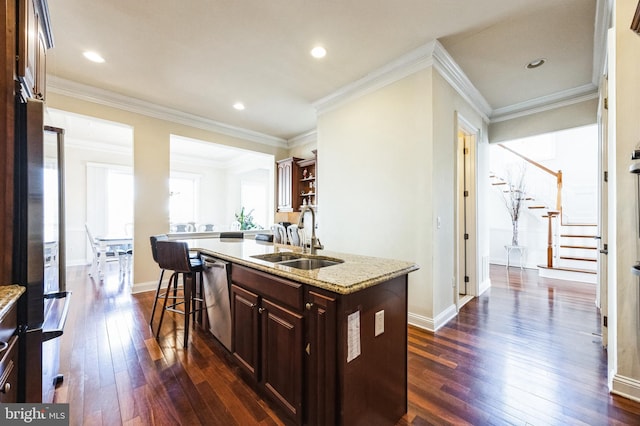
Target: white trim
[[545, 103], [410, 63], [431, 324], [310, 136], [602, 25], [430, 54], [445, 316], [420, 321], [138, 106], [484, 286], [626, 387], [455, 76], [146, 286]]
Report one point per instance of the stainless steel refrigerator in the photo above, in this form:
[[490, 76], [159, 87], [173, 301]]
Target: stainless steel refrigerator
[[41, 310]]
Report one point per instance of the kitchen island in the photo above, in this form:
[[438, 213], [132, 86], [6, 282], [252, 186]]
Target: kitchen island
[[326, 345]]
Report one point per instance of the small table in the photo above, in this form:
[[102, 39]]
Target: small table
[[519, 249]]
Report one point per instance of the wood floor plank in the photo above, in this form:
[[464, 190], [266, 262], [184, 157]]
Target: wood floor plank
[[527, 352]]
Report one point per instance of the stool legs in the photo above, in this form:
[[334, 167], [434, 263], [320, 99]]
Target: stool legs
[[155, 301], [190, 299]]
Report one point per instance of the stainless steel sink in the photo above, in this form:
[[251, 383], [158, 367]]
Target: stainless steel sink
[[277, 257], [297, 260], [309, 263]]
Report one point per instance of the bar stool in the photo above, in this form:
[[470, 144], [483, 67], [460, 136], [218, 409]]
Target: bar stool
[[154, 252], [174, 256]]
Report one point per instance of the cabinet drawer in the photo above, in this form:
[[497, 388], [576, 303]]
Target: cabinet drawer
[[275, 288], [9, 372]]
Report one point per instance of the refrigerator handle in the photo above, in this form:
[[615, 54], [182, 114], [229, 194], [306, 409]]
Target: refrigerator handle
[[59, 330]]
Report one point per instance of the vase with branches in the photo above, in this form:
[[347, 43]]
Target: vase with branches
[[514, 197]]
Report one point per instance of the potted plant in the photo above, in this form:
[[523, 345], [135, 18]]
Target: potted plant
[[246, 220]]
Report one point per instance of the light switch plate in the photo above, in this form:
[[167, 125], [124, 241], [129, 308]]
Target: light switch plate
[[379, 323]]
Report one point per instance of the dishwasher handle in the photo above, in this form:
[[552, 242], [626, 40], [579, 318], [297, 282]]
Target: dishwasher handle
[[212, 263]]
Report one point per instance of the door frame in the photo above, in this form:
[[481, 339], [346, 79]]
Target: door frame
[[466, 251]]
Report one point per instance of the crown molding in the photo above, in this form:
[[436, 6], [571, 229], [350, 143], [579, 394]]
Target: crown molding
[[304, 138], [104, 97], [601, 28], [398, 69], [451, 71], [546, 103], [430, 54]]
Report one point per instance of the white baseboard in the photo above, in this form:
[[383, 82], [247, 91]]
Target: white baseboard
[[626, 387], [146, 286], [484, 286], [421, 321], [431, 324]]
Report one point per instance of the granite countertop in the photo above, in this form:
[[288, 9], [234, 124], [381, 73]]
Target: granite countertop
[[354, 274], [9, 294]]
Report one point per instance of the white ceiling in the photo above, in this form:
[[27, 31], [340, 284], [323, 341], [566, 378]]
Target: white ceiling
[[200, 56]]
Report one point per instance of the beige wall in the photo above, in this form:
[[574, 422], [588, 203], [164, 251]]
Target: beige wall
[[375, 155], [151, 171], [392, 152], [448, 108], [623, 227], [567, 117]]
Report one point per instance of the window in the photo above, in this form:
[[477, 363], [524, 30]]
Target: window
[[253, 196], [119, 201], [183, 201]]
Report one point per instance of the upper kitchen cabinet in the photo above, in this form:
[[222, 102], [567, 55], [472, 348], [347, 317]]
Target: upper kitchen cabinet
[[34, 38], [288, 184]]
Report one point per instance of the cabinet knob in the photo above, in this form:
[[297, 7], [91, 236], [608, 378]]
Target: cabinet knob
[[308, 349], [6, 388], [261, 310], [309, 305]]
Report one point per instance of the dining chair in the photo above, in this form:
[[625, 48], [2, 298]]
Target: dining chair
[[279, 233], [109, 254], [295, 235]]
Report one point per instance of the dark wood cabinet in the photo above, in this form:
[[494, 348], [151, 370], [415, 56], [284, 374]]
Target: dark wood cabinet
[[321, 372], [288, 181], [9, 356], [268, 335], [322, 357], [282, 356], [33, 41], [9, 372], [245, 329]]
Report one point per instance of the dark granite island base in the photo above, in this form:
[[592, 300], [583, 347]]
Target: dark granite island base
[[326, 346]]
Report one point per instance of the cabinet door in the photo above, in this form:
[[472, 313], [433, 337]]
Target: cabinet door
[[284, 186], [41, 69], [244, 324], [28, 39], [9, 372], [282, 357], [321, 359]]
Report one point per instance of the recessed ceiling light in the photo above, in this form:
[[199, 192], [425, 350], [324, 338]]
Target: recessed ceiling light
[[93, 57], [536, 63], [318, 52], [239, 106]]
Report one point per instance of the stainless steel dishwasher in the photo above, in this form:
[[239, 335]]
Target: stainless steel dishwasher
[[217, 274]]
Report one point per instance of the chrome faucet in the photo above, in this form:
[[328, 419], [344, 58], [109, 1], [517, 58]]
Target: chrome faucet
[[315, 242]]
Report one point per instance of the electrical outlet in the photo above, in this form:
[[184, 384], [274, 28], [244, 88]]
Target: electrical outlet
[[379, 323]]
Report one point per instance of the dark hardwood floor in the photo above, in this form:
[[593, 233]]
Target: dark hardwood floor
[[526, 352]]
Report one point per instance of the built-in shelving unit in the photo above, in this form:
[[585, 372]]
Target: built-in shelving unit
[[308, 185]]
